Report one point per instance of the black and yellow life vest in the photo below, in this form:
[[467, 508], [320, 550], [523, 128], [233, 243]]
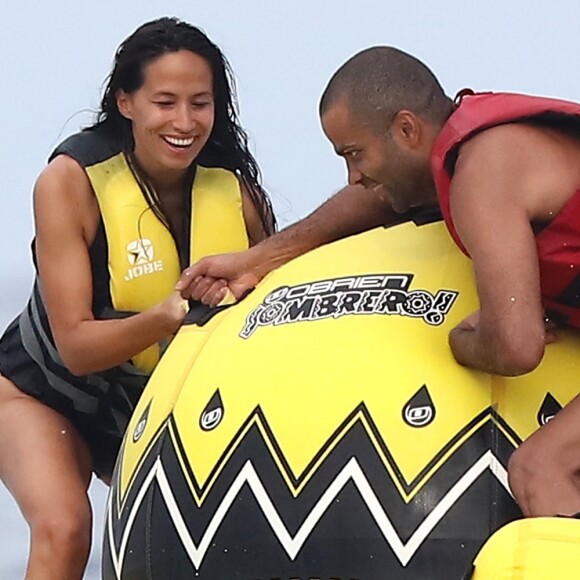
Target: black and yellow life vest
[[143, 260]]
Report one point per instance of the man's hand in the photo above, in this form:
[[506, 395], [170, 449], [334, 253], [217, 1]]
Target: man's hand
[[470, 322], [212, 279], [474, 347]]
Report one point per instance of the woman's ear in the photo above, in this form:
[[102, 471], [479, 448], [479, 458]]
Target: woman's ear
[[124, 103]]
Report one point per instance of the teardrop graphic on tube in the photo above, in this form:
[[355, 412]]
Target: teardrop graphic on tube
[[419, 410], [140, 427], [213, 413], [548, 409]]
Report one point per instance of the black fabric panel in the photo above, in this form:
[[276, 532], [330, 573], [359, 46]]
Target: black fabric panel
[[88, 147]]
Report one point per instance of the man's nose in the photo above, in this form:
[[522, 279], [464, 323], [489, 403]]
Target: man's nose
[[354, 177]]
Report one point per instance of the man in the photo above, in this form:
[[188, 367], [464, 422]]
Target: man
[[505, 170]]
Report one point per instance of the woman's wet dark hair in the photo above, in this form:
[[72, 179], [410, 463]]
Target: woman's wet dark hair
[[227, 145]]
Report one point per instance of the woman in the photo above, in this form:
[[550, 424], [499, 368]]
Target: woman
[[162, 178]]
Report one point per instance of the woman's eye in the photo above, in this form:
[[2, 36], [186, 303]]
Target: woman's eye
[[164, 103]]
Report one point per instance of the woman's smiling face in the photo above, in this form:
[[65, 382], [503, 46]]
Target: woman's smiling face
[[172, 113]]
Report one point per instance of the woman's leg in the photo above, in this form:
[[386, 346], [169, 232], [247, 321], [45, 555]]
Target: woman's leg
[[46, 466]]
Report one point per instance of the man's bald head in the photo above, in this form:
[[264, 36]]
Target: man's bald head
[[380, 81]]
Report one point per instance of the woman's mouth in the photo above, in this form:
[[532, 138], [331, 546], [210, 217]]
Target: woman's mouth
[[179, 143]]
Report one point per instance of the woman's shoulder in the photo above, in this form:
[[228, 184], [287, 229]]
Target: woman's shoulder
[[63, 197], [88, 147]]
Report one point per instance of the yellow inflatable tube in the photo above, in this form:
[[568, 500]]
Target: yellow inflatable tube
[[532, 549], [322, 429]]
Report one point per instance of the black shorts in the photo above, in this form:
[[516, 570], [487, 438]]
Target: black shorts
[[101, 430]]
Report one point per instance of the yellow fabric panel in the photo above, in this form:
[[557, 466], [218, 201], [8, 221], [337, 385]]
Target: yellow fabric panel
[[218, 224], [143, 262], [532, 549]]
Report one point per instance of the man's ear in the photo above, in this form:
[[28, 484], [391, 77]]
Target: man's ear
[[407, 129], [124, 104]]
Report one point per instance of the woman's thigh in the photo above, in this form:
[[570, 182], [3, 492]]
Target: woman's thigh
[[44, 462]]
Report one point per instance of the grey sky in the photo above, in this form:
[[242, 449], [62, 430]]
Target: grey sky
[[54, 57]]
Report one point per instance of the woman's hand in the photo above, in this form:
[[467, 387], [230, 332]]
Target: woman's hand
[[172, 311]]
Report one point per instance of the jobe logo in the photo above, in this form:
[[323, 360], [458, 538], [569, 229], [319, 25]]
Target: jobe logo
[[140, 254], [386, 294]]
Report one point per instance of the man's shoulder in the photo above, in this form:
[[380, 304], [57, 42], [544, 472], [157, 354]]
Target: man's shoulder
[[498, 140]]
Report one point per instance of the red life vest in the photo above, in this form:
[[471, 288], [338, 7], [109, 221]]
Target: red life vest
[[558, 244]]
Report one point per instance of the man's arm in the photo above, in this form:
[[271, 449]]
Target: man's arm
[[352, 210], [492, 196]]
